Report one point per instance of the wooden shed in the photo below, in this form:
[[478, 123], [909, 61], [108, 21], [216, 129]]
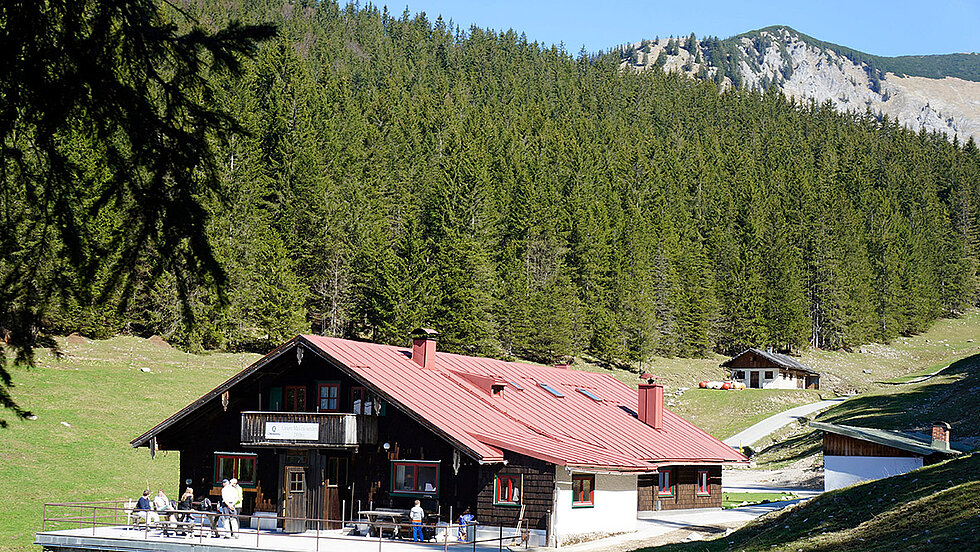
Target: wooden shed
[[854, 454]]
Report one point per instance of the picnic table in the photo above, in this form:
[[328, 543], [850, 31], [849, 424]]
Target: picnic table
[[385, 519]]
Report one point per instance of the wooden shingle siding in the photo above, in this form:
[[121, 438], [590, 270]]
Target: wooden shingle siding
[[537, 496], [685, 490], [842, 445]]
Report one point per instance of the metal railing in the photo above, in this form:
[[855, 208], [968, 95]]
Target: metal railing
[[118, 514]]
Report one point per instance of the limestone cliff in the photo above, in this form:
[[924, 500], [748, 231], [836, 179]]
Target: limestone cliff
[[805, 68]]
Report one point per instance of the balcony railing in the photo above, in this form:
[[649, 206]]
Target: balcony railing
[[308, 429]]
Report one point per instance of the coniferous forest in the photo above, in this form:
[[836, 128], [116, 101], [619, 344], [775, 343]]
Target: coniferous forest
[[399, 172]]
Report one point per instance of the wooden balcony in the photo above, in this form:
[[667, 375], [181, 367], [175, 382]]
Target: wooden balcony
[[308, 429]]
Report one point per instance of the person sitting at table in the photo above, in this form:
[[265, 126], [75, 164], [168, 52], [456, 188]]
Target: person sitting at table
[[162, 504], [416, 514], [186, 504], [144, 510]]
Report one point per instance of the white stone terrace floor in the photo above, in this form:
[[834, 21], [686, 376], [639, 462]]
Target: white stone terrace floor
[[121, 538]]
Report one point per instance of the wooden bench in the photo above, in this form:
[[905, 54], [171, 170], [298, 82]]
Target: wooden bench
[[184, 528]]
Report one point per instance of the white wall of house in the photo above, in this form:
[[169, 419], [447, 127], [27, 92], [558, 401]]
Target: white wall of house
[[841, 471], [614, 509], [776, 382]]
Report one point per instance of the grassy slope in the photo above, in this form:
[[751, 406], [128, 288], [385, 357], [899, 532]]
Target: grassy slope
[[99, 390], [932, 509], [950, 396], [724, 413], [889, 514]]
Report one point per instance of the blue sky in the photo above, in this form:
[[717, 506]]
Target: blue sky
[[899, 27]]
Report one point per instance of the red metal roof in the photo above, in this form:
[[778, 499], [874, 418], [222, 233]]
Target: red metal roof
[[573, 430]]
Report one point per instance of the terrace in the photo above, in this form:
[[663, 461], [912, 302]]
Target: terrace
[[109, 526]]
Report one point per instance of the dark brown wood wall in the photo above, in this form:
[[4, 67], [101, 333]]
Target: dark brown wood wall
[[537, 492], [685, 490], [842, 445], [751, 360]]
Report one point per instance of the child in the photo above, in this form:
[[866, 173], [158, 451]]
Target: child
[[464, 520], [416, 514]]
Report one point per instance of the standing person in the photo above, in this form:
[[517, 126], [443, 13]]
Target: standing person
[[465, 519], [416, 514], [229, 496], [238, 503]]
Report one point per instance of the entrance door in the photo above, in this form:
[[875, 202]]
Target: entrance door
[[754, 379], [336, 474], [295, 500]]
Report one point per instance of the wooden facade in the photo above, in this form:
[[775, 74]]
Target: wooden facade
[[345, 470], [537, 492], [334, 430], [842, 445], [685, 493]]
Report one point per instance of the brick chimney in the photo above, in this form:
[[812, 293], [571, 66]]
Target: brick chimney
[[651, 407], [940, 435], [424, 347]]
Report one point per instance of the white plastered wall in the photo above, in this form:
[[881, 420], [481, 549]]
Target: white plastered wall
[[842, 471], [777, 382], [614, 509]]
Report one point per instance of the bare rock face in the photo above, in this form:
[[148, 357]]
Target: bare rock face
[[783, 60]]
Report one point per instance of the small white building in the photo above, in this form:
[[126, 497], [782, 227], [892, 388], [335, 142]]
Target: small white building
[[854, 454], [759, 369]]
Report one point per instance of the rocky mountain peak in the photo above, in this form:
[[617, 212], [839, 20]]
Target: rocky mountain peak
[[808, 69]]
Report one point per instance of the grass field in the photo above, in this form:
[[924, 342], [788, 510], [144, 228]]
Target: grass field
[[734, 500], [724, 413], [88, 406]]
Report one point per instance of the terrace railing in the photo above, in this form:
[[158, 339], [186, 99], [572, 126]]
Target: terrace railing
[[308, 429], [118, 520]]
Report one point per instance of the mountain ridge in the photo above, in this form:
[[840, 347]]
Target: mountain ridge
[[938, 93]]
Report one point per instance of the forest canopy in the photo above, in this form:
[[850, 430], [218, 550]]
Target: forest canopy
[[399, 172], [107, 137]]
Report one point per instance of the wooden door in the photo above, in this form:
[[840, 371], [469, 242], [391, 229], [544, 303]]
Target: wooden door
[[295, 500], [336, 475], [754, 379]]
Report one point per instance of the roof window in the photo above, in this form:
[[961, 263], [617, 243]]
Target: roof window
[[588, 394], [551, 390], [516, 385]]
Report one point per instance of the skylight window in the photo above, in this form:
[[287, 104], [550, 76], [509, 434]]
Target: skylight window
[[551, 390], [516, 385], [588, 394]]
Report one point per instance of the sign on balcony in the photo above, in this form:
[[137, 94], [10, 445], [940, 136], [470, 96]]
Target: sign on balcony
[[292, 431]]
